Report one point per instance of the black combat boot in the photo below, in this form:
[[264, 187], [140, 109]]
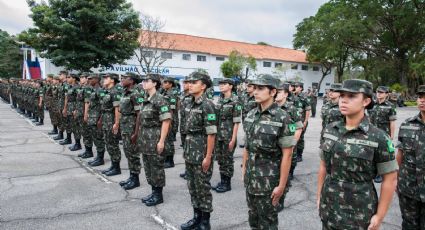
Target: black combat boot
[[76, 146], [183, 175], [133, 183], [54, 130], [169, 162], [226, 186], [40, 122], [194, 222], [219, 183], [59, 136], [114, 170], [67, 141], [87, 153], [148, 197], [98, 160], [156, 197], [122, 183], [205, 222]]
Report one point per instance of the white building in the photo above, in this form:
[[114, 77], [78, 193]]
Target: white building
[[189, 53]]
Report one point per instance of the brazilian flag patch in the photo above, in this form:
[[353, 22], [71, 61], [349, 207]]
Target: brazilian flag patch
[[390, 146], [239, 107], [211, 117], [173, 100], [292, 128], [102, 94], [140, 100], [164, 108]]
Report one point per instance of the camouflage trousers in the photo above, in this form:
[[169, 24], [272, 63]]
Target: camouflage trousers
[[77, 126], [131, 153], [224, 157], [40, 111], [261, 214], [112, 142], [68, 122], [154, 169], [169, 150], [300, 143], [53, 118], [175, 126], [412, 212], [87, 137], [97, 137], [183, 138], [313, 107], [199, 186]]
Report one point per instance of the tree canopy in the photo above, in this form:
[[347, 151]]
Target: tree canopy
[[238, 65], [10, 56]]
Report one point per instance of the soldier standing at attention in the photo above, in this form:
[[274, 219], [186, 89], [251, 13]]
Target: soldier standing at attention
[[60, 98], [267, 155], [201, 129], [303, 105], [153, 124], [313, 100], [410, 158], [109, 121], [87, 90], [353, 152], [383, 115], [330, 110], [49, 103], [185, 100], [79, 112], [40, 92], [129, 108], [171, 95], [247, 101], [228, 112], [92, 117], [75, 119], [68, 106]]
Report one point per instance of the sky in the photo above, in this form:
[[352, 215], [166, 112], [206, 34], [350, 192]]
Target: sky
[[270, 21]]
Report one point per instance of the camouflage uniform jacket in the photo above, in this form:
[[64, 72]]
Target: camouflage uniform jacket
[[71, 94], [266, 133], [248, 103], [201, 122], [293, 113], [330, 114], [185, 100], [153, 112], [381, 115], [63, 88], [94, 105], [130, 103], [79, 104], [353, 158], [228, 111], [109, 99], [302, 103], [48, 95], [411, 140]]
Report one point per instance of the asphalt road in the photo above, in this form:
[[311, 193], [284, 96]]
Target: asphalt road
[[43, 185]]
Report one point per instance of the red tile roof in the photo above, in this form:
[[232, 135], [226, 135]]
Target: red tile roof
[[219, 47]]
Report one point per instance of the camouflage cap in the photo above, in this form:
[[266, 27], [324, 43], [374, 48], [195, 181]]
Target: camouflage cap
[[186, 79], [205, 78], [336, 86], [136, 78], [50, 75], [383, 89], [296, 84], [357, 86], [248, 81], [75, 76], [226, 80], [267, 80], [113, 76], [153, 77], [169, 79], [421, 89], [93, 75], [283, 85], [85, 74], [56, 77]]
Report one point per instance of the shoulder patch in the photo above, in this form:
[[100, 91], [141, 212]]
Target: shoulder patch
[[164, 108], [140, 100], [211, 117], [292, 128], [390, 146]]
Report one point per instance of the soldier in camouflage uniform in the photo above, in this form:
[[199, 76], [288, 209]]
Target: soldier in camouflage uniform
[[248, 102], [302, 103], [267, 156], [110, 98], [410, 157], [171, 94], [86, 93], [185, 100], [353, 152], [60, 100], [330, 110], [78, 113], [54, 105], [228, 110], [49, 103], [153, 124], [69, 105], [201, 129], [130, 105], [92, 119]]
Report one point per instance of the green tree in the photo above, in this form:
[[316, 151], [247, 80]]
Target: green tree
[[238, 65], [82, 34], [10, 56]]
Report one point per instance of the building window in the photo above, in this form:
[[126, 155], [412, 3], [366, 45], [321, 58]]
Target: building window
[[316, 68], [166, 55], [219, 58], [147, 54], [201, 58], [267, 64], [304, 67], [278, 64], [294, 66], [186, 57]]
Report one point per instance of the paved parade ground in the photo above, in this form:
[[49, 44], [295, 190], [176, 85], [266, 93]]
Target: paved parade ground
[[43, 185]]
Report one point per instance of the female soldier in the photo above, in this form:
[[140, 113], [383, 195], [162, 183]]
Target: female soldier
[[229, 113], [153, 124], [353, 153], [267, 155], [129, 109]]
